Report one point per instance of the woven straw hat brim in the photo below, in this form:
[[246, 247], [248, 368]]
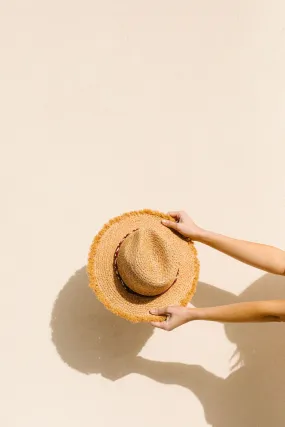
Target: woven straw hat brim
[[109, 290]]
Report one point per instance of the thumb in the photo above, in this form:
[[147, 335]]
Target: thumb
[[160, 311], [170, 224]]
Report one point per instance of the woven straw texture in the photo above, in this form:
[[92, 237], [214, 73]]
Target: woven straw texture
[[175, 252]]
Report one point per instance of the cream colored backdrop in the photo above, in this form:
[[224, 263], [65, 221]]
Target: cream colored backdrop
[[119, 105]]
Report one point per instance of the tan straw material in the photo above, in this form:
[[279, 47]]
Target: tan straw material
[[136, 264]]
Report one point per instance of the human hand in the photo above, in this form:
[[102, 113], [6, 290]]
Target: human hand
[[184, 225], [175, 316]]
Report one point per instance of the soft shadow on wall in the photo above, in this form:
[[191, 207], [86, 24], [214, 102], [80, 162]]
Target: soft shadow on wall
[[88, 337], [91, 340]]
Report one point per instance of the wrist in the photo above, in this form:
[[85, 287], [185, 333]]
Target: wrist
[[194, 314], [204, 236]]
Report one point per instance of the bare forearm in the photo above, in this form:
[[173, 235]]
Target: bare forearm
[[264, 257], [259, 311]]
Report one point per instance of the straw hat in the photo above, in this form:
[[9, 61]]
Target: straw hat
[[136, 264]]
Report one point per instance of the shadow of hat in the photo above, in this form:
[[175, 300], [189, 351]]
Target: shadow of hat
[[88, 337]]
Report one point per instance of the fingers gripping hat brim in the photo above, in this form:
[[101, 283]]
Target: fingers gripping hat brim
[[108, 288]]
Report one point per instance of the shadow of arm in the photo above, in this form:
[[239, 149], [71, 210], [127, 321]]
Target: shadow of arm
[[195, 378], [209, 296]]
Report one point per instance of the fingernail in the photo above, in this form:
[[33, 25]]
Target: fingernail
[[164, 221], [152, 311]]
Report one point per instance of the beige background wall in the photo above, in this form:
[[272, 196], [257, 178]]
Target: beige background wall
[[118, 105]]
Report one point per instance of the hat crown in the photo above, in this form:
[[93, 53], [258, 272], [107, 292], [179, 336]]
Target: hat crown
[[146, 262]]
